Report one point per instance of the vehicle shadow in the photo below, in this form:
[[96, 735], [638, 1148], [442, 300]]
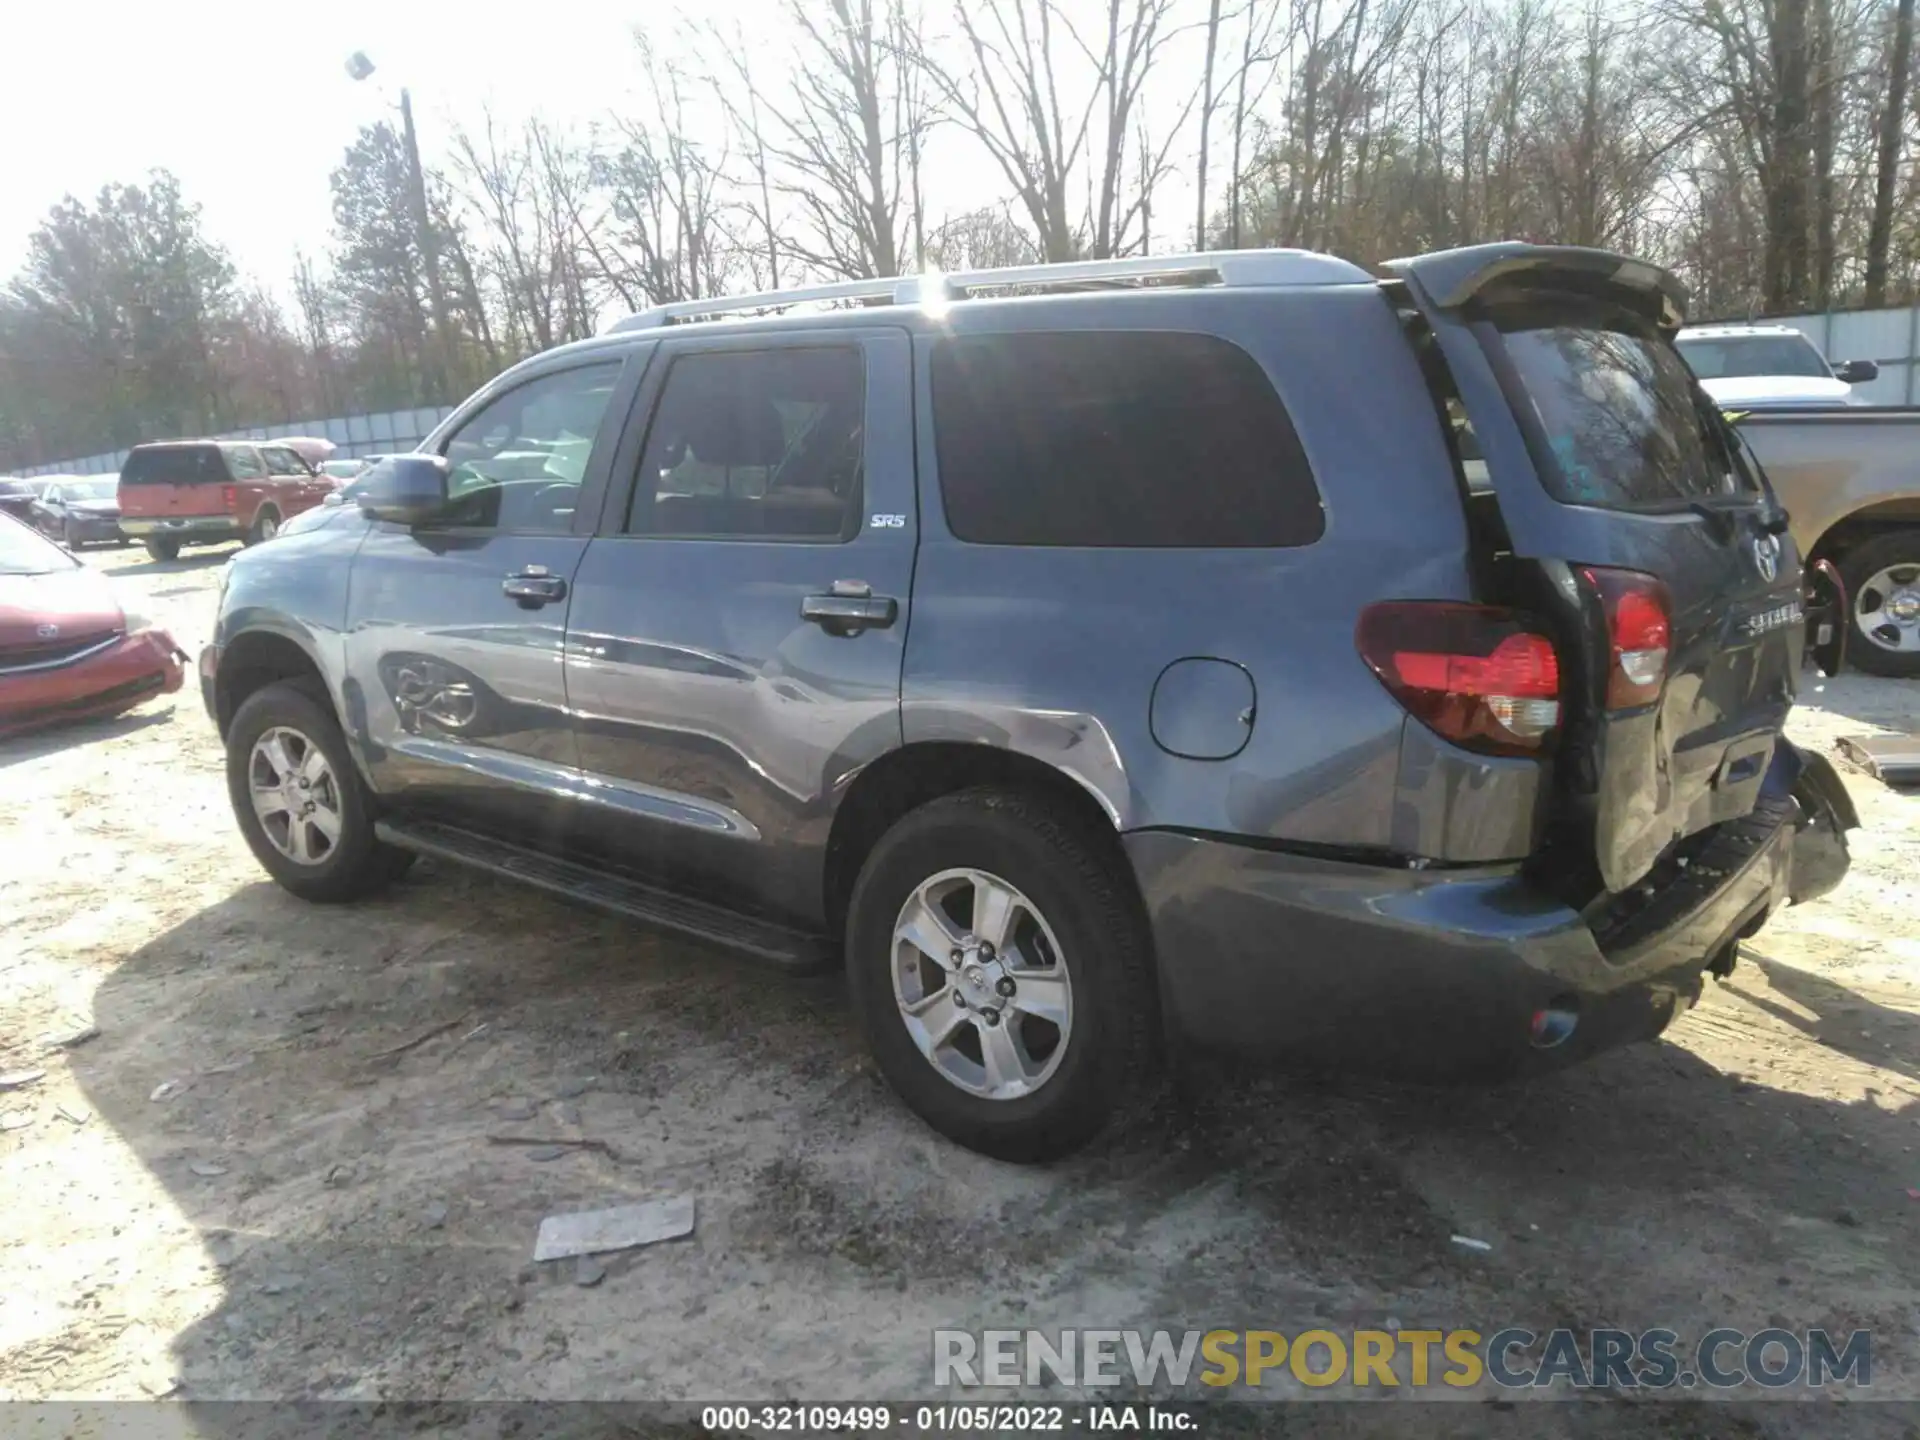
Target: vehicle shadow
[[187, 561], [348, 1107], [36, 744]]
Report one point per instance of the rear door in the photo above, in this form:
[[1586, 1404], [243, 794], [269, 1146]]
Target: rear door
[[161, 481], [1651, 545]]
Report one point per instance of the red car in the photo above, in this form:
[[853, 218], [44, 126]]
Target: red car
[[68, 648]]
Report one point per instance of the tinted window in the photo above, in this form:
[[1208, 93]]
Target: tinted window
[[245, 463], [764, 444], [1114, 438], [282, 461], [518, 461], [175, 465], [1617, 408]]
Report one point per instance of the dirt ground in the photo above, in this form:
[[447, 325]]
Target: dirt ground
[[274, 1171]]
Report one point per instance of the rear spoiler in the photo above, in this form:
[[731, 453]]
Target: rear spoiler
[[1451, 278]]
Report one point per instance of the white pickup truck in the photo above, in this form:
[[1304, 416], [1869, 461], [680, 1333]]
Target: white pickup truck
[[1850, 482], [1746, 367]]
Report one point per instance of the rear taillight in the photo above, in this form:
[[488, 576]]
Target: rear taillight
[[1640, 629], [1477, 675], [229, 497]]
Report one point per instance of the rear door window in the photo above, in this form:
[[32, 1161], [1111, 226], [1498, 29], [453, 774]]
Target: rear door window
[[282, 461], [175, 465], [245, 463], [1117, 439], [1616, 410]]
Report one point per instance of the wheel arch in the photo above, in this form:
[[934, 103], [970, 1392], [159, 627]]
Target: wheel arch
[[1865, 523], [907, 778], [255, 659]]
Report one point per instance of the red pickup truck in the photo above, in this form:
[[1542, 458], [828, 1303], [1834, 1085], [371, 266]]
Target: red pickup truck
[[198, 492]]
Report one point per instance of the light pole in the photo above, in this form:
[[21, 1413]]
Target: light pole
[[359, 67]]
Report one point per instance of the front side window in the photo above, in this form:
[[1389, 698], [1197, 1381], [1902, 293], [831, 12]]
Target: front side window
[[756, 445], [518, 461], [1117, 438], [1622, 420]]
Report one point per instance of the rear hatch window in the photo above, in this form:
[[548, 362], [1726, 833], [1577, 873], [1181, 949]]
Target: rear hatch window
[[175, 465], [1617, 408]]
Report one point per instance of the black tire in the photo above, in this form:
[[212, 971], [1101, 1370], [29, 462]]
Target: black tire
[[1895, 549], [357, 864], [266, 524], [163, 549], [1079, 883], [67, 536]]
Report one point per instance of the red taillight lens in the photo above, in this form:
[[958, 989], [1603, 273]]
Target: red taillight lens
[[1475, 674], [229, 497], [1640, 626]]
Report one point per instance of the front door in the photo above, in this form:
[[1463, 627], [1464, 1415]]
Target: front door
[[454, 630], [735, 641]]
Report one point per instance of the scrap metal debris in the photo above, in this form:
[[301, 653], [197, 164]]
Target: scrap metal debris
[[623, 1227], [1892, 758], [20, 1079]]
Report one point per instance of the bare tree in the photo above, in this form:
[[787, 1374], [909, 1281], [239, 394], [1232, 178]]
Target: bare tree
[[662, 186]]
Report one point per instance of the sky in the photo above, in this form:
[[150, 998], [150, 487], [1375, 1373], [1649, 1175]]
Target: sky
[[251, 106]]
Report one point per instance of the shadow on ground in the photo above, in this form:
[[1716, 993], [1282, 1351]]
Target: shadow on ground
[[188, 560], [344, 1079], [37, 743]]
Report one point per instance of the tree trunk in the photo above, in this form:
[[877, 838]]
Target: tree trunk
[[1206, 125], [1887, 168]]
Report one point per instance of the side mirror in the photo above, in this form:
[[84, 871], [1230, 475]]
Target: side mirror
[[1857, 372], [406, 489]]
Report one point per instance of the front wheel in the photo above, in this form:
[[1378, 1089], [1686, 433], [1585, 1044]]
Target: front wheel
[[163, 549], [68, 537], [300, 803], [1882, 577], [1001, 969]]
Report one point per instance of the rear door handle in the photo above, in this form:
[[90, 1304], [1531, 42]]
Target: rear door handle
[[848, 608], [534, 587]]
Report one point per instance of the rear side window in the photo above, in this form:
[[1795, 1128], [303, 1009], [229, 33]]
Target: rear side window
[[245, 463], [756, 445], [1616, 409], [175, 465], [283, 461], [1117, 439]]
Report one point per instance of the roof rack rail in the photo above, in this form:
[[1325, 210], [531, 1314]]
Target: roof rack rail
[[1220, 267]]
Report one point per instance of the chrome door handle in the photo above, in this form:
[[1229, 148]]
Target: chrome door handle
[[534, 587], [848, 608]]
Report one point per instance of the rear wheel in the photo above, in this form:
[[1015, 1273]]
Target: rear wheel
[[265, 526], [161, 548], [1001, 970], [301, 805], [1882, 577]]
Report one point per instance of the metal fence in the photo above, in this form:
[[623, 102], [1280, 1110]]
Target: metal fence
[[354, 434], [1890, 337]]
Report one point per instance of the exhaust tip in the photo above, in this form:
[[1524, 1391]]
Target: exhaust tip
[[1553, 1024]]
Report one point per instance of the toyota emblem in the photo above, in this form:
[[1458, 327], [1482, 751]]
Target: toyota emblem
[[1766, 556], [46, 632]]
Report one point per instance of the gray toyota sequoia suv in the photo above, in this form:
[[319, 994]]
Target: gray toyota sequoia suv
[[1238, 650]]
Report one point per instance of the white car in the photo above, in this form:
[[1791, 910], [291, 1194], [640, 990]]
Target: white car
[[1744, 367]]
